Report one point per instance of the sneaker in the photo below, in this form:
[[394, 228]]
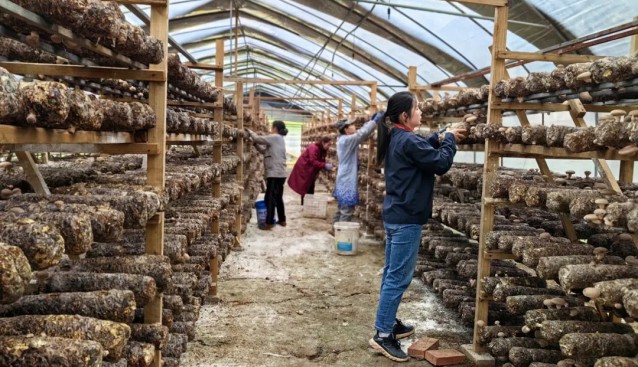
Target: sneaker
[[283, 224], [389, 347], [402, 330]]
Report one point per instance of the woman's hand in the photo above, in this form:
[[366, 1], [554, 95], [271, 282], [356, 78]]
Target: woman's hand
[[459, 134]]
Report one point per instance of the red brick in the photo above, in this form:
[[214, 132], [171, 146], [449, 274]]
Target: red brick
[[444, 357], [419, 347]]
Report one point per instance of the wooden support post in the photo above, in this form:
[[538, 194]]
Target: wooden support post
[[236, 40], [340, 113], [157, 96], [627, 167], [239, 90], [371, 154], [34, 177], [577, 111], [214, 275], [489, 169], [353, 105], [251, 102]]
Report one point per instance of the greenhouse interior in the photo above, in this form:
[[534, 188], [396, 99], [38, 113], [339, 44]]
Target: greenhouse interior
[[206, 183]]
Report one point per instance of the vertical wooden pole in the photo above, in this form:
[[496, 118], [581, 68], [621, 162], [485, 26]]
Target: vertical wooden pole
[[627, 167], [371, 154], [490, 168], [239, 92], [340, 113], [251, 102], [353, 105], [236, 40], [157, 94], [217, 156]]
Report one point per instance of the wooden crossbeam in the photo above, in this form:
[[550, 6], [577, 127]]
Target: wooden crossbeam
[[284, 81], [577, 111], [534, 56], [81, 71], [34, 177]]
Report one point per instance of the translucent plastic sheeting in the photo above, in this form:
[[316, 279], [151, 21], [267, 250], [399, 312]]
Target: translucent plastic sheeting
[[583, 17], [380, 47], [297, 48]]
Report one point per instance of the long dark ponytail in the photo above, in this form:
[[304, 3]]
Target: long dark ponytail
[[397, 104]]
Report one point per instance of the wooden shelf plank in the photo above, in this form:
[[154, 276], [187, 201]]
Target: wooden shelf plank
[[94, 72], [483, 2], [553, 107], [177, 139], [535, 151], [206, 105], [34, 135], [136, 148], [143, 2], [535, 56], [203, 66]]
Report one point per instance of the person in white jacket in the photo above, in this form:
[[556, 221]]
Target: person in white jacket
[[346, 189], [275, 167]]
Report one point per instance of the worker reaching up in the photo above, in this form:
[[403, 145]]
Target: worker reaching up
[[346, 190]]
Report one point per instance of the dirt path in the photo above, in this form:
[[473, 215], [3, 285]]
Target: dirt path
[[289, 300]]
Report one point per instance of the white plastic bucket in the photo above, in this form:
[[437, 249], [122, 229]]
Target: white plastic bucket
[[346, 237]]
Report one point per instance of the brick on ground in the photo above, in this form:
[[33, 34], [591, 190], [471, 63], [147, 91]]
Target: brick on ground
[[419, 347], [444, 357]]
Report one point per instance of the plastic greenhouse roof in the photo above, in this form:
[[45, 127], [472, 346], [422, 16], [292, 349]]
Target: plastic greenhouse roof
[[379, 39]]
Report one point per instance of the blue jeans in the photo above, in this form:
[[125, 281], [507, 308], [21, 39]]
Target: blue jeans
[[401, 249]]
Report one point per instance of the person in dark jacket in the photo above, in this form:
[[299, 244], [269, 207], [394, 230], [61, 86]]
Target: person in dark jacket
[[310, 163], [411, 161], [274, 151]]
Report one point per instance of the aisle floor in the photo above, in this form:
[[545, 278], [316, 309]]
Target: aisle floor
[[289, 300]]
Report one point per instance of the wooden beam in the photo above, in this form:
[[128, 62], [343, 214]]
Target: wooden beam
[[298, 99], [206, 105], [412, 74], [447, 88], [534, 56], [156, 168], [353, 104], [285, 81], [36, 135], [143, 2], [34, 177], [137, 148], [482, 2], [203, 66], [80, 71], [490, 168], [577, 111], [553, 107]]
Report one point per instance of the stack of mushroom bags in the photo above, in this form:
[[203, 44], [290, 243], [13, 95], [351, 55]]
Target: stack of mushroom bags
[[556, 303]]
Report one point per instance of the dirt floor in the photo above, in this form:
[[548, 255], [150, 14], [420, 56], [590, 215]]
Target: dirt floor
[[289, 300]]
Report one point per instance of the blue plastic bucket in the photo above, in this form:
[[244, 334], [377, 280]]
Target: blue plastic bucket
[[260, 205]]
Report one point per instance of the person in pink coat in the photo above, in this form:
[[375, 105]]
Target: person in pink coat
[[310, 163]]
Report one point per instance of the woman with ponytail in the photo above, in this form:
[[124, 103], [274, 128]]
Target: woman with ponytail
[[410, 161], [274, 150]]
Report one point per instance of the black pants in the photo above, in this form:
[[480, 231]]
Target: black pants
[[311, 191], [275, 199]]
